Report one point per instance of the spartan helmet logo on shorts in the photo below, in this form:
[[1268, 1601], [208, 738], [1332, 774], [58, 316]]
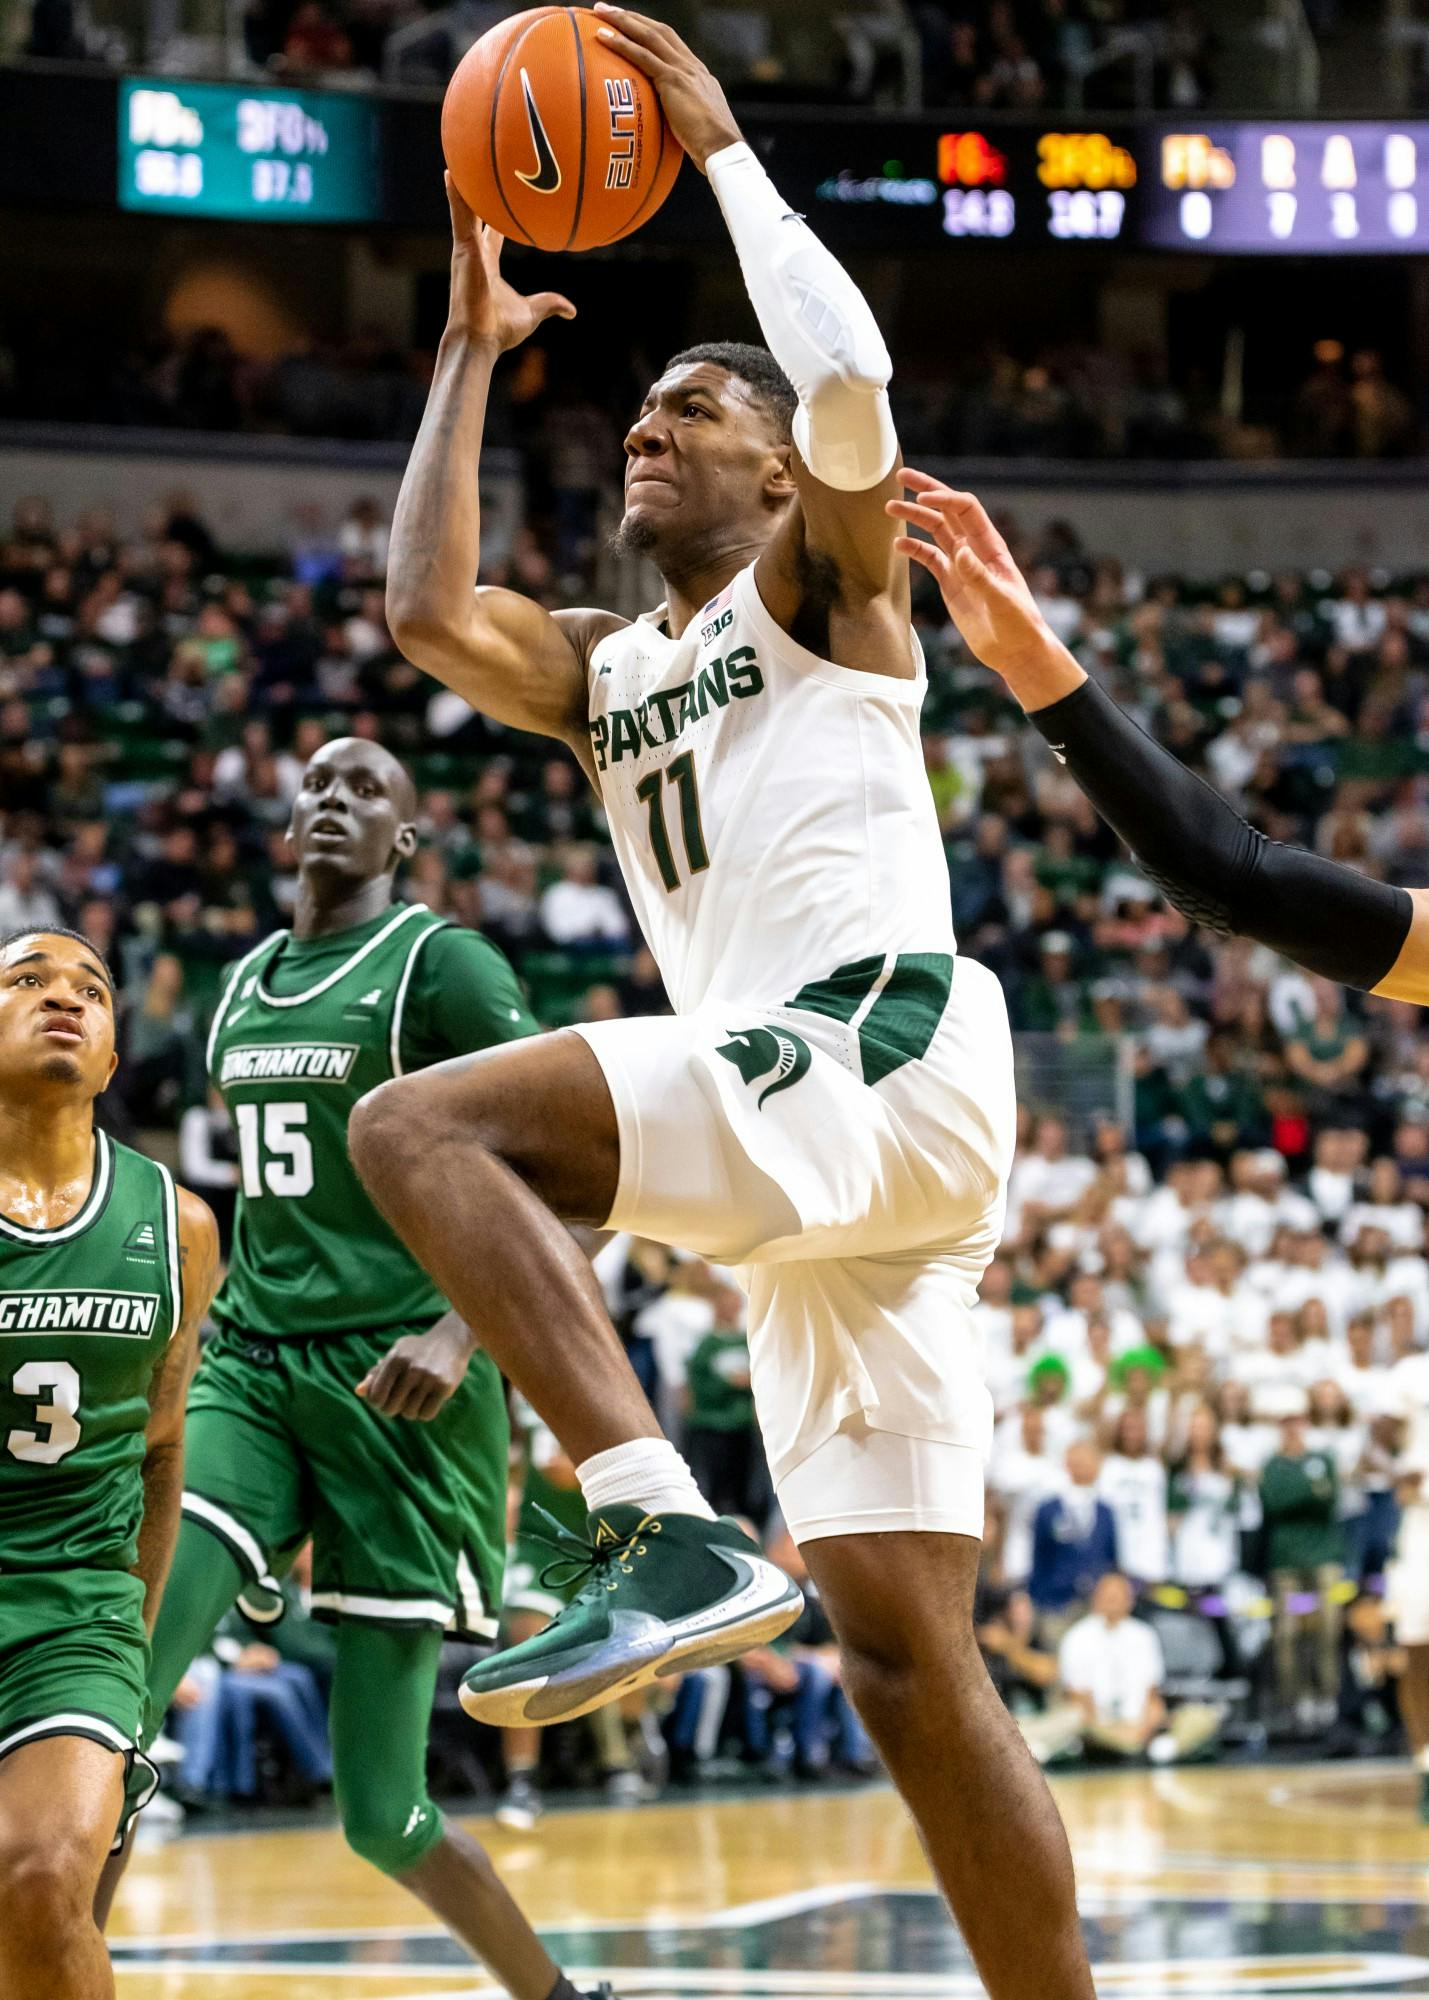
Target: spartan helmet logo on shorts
[[547, 177], [755, 1051]]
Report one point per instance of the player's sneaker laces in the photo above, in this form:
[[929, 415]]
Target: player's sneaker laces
[[661, 1595]]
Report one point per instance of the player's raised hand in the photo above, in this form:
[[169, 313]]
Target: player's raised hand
[[695, 105], [985, 592], [421, 1372], [483, 306]]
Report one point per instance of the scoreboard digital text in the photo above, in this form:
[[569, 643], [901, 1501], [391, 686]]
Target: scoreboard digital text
[[1294, 187]]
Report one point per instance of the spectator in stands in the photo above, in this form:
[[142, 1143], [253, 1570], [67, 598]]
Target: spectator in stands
[[1047, 1180], [1112, 1669], [799, 1679], [1381, 416], [26, 903], [1025, 1470], [208, 1160], [315, 41], [1205, 1507], [1110, 1665], [1299, 1498], [579, 911], [363, 539], [722, 1439], [1369, 1713], [1328, 1054], [1133, 1484], [1073, 1545]]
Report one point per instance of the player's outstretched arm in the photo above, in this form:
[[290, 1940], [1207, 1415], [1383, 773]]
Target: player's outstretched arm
[[1207, 861], [163, 1469], [504, 654], [820, 330]]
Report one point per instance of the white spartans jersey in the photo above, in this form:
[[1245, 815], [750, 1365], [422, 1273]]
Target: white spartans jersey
[[770, 811]]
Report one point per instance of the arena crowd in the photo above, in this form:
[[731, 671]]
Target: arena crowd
[[1192, 1326]]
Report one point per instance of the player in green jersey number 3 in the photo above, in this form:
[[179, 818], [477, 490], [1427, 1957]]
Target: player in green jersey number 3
[[106, 1270], [341, 1398]]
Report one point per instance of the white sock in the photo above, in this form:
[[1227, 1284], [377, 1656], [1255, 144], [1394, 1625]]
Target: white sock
[[648, 1473], [1422, 1760]]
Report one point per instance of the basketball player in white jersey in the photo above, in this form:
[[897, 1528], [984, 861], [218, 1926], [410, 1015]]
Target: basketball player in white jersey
[[832, 1106]]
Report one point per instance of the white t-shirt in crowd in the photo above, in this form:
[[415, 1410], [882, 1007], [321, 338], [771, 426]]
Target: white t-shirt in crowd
[[1248, 1219], [676, 1322], [1402, 1221], [1365, 1387], [1021, 1480], [1205, 1535], [1065, 1331], [1402, 1277], [581, 912], [1336, 1285], [1203, 1316], [1135, 1490], [1331, 1192], [1119, 1666], [1408, 1397], [1248, 1446], [1005, 1372], [1162, 1221], [1051, 1183]]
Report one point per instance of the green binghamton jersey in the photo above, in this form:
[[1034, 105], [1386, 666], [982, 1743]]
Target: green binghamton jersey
[[86, 1312], [304, 1029]]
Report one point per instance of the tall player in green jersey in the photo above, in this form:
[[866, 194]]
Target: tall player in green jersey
[[106, 1270], [341, 1397]]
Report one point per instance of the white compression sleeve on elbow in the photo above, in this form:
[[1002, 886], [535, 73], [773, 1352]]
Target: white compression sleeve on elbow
[[817, 324]]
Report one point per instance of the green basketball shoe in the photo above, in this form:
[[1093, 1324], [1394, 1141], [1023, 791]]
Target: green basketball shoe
[[1424, 1797], [662, 1594]]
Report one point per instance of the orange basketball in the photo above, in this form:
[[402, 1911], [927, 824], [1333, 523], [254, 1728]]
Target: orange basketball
[[552, 138]]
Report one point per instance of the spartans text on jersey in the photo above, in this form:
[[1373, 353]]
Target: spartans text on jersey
[[629, 732]]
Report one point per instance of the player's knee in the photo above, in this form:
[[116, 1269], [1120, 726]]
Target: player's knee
[[395, 1836], [46, 1892], [379, 1131], [402, 1122], [891, 1661]]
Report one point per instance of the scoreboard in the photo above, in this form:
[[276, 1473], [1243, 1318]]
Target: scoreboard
[[1294, 187], [256, 152], [240, 152]]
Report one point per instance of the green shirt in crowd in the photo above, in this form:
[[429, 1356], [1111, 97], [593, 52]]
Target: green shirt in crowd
[[720, 1396], [1300, 1501]]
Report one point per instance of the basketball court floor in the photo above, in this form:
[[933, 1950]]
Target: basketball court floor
[[1288, 1881]]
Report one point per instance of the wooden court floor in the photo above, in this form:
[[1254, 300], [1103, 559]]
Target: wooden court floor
[[1305, 1881]]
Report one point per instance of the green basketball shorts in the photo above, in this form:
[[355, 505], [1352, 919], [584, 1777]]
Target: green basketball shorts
[[73, 1660], [407, 1519]]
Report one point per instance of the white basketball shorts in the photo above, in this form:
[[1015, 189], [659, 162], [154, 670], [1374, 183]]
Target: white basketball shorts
[[1408, 1581], [859, 1219]]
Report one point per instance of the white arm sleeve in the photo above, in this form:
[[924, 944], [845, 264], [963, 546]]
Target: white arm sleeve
[[817, 324]]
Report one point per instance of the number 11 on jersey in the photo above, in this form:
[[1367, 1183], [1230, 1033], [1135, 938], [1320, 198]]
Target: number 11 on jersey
[[681, 774]]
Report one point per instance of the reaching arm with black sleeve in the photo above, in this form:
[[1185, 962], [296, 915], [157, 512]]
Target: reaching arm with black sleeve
[[1200, 853], [1210, 864]]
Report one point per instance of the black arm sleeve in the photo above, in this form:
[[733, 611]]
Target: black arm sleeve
[[1210, 865]]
